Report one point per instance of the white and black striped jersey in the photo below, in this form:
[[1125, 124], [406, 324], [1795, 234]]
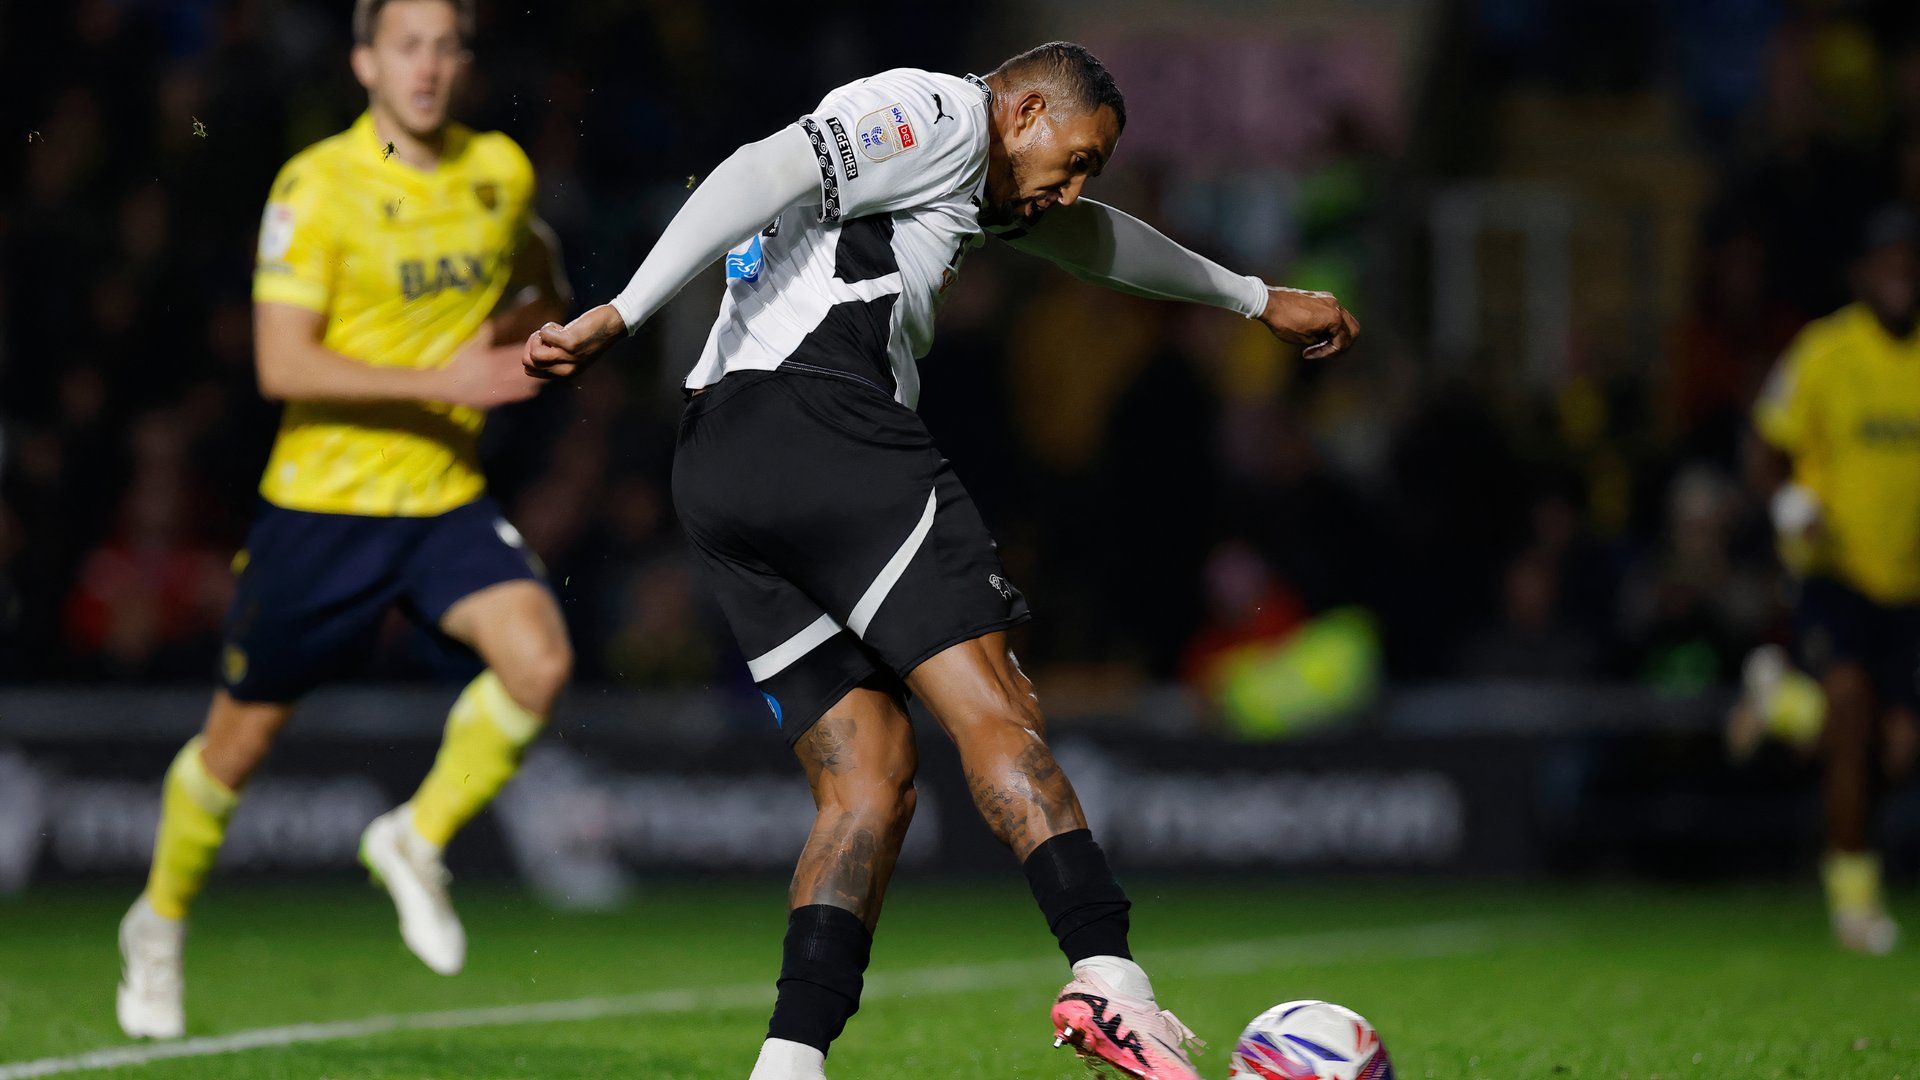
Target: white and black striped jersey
[[851, 284]]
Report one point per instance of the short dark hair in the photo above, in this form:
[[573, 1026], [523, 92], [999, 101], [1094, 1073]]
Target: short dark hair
[[1069, 69], [366, 16]]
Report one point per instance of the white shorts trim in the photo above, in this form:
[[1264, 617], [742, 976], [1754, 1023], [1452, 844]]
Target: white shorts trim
[[782, 656]]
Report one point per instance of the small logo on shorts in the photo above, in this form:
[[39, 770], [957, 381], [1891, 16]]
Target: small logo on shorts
[[774, 704], [1002, 586], [233, 663]]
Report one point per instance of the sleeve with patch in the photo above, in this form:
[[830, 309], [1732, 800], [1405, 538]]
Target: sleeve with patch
[[894, 140], [517, 193], [1784, 413], [520, 180], [296, 257]]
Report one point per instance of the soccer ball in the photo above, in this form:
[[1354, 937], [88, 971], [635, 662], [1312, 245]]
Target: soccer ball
[[1310, 1040]]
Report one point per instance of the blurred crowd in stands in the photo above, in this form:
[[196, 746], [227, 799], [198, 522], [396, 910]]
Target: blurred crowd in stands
[[1168, 485]]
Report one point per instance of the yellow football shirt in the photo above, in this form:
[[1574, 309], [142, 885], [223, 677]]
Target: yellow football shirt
[[405, 265], [1844, 403]]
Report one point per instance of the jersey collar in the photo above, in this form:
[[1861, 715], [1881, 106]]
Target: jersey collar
[[369, 137]]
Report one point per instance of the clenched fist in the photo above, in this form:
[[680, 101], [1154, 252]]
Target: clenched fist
[[1313, 319], [561, 352]]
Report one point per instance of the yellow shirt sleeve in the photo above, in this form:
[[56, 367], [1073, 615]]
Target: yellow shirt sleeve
[[297, 254], [1784, 414], [519, 179]]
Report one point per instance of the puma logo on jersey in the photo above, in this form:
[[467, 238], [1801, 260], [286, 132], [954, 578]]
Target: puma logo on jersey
[[939, 110], [420, 278]]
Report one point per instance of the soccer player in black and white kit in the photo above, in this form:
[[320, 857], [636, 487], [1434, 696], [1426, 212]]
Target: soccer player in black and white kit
[[850, 563]]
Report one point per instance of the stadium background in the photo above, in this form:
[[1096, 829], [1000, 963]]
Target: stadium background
[[1487, 582], [1418, 659]]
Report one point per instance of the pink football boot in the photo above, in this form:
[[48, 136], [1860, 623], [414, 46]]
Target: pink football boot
[[1119, 1036]]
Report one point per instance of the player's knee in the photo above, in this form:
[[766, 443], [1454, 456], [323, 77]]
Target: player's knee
[[892, 807], [1850, 701], [535, 678], [235, 743], [1847, 732], [879, 787], [1002, 716], [553, 668], [884, 804], [903, 808]]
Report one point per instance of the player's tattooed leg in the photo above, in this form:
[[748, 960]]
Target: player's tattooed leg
[[829, 746], [1024, 796], [840, 865], [988, 706], [860, 761]]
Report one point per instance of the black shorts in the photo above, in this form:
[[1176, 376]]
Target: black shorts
[[314, 588], [1835, 624], [840, 543]]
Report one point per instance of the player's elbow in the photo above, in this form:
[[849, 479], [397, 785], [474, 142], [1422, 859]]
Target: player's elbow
[[271, 381]]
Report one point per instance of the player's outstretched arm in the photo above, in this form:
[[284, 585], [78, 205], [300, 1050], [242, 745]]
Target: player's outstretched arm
[[753, 186], [291, 364], [1097, 243]]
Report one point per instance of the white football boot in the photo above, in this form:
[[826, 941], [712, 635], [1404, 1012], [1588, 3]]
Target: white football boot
[[149, 999], [409, 868], [1868, 930]]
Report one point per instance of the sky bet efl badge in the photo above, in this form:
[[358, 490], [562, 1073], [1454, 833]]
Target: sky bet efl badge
[[886, 132]]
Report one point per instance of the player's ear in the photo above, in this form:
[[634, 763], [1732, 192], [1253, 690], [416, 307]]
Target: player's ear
[[365, 68], [1032, 106]]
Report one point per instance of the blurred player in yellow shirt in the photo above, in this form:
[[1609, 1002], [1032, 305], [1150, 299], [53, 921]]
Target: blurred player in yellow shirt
[[1843, 410], [400, 266]]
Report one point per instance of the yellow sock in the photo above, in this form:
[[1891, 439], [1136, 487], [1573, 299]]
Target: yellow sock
[[487, 731], [1853, 880], [194, 808]]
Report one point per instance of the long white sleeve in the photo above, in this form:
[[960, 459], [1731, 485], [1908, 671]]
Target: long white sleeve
[[1097, 243], [746, 192]]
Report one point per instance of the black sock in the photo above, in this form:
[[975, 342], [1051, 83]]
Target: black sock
[[820, 975], [1083, 902]]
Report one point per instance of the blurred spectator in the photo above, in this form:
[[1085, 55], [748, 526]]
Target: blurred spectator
[[1246, 604], [149, 600], [1533, 640], [1723, 349], [1693, 609], [1166, 483]]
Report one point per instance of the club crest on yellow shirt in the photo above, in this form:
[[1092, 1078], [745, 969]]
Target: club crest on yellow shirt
[[488, 193]]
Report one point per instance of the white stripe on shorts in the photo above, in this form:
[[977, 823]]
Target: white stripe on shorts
[[781, 656], [870, 601], [777, 659]]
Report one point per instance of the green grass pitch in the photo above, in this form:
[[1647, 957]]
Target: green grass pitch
[[1484, 981]]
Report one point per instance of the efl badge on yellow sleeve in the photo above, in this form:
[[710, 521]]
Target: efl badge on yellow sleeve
[[276, 232]]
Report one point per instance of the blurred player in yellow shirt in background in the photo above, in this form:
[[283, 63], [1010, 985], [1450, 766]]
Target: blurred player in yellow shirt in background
[[1843, 412], [400, 266]]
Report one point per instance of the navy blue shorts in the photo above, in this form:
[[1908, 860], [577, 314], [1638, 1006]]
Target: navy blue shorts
[[1834, 624], [314, 588]]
